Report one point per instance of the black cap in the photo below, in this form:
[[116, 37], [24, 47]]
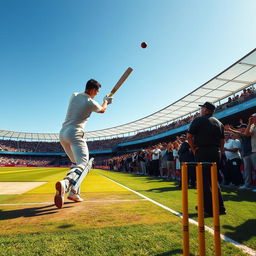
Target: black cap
[[183, 136], [208, 105]]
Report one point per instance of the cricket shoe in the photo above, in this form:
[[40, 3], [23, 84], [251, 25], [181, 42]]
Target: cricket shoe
[[76, 198], [60, 192]]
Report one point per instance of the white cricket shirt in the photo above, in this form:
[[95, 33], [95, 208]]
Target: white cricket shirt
[[79, 110], [229, 144], [156, 154]]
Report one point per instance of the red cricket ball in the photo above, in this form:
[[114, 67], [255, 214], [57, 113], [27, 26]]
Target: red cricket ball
[[143, 45]]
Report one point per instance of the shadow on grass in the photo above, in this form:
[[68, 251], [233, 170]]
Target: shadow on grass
[[195, 216], [163, 189], [160, 179], [173, 252], [149, 178], [29, 212], [66, 226], [243, 232], [238, 195]]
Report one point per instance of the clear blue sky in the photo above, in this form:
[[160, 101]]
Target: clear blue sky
[[50, 48]]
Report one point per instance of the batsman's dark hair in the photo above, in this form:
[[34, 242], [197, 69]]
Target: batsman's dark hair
[[92, 84]]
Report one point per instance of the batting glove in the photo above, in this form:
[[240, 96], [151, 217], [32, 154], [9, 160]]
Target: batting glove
[[108, 99]]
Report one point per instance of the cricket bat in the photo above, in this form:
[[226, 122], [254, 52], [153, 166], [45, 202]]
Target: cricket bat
[[121, 81]]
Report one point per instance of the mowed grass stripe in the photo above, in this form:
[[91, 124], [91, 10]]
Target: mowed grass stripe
[[12, 170], [31, 173], [93, 183]]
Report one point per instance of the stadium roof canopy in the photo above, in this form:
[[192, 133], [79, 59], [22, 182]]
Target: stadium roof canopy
[[233, 79]]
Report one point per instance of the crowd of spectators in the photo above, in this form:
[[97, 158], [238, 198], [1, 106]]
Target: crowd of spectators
[[173, 125], [246, 94], [26, 160], [30, 146], [160, 160], [237, 169], [53, 147], [106, 144]]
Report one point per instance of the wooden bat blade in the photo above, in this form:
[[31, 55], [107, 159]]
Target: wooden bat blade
[[121, 81]]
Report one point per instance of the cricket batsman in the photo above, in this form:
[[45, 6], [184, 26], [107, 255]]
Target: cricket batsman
[[72, 139]]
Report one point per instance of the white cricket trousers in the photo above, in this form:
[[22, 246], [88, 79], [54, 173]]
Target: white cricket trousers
[[72, 141]]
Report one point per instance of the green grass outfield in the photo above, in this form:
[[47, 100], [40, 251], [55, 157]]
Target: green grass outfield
[[112, 220]]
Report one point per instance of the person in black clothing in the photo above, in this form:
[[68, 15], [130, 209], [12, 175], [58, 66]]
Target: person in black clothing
[[170, 162], [128, 163], [186, 155], [206, 139], [142, 162]]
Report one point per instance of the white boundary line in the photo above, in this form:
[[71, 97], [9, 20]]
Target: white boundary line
[[242, 247], [86, 201]]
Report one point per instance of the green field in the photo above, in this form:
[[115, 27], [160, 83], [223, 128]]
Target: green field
[[112, 220]]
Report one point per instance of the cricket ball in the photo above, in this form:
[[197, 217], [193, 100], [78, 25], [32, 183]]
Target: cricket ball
[[143, 45]]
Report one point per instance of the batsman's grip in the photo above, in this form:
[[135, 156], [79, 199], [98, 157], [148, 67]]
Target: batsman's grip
[[120, 81]]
